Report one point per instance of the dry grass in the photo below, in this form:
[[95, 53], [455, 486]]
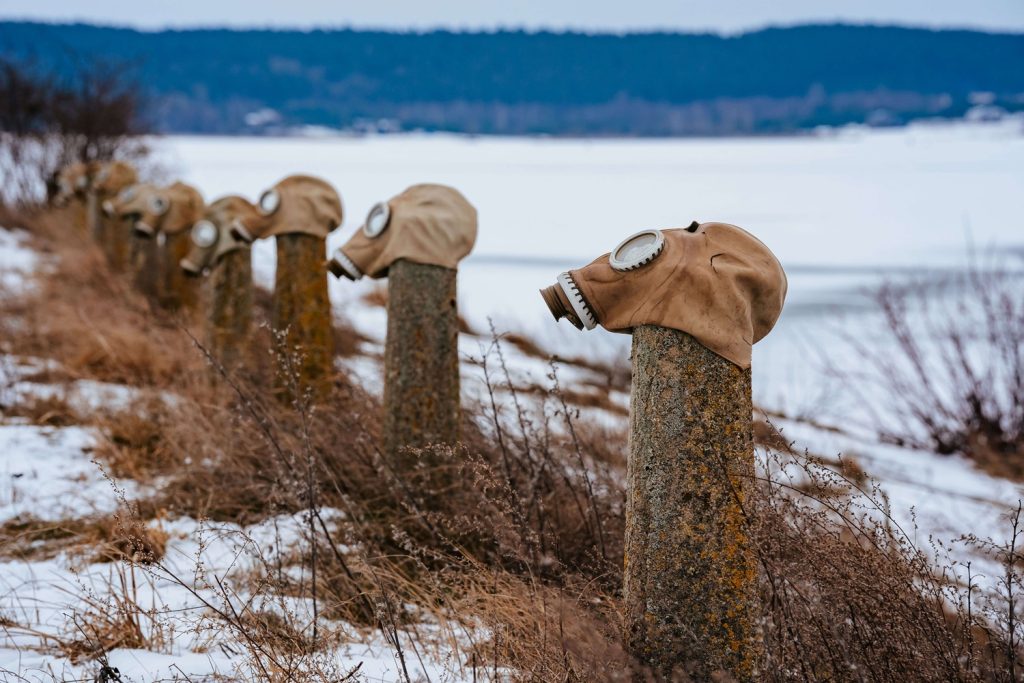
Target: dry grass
[[95, 539], [44, 411], [509, 545], [951, 377]]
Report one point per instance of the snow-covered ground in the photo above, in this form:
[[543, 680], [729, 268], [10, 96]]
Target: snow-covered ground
[[843, 211]]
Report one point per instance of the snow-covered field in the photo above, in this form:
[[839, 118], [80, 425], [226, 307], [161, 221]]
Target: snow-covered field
[[843, 211]]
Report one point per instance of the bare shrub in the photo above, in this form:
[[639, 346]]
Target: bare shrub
[[948, 376], [48, 121]]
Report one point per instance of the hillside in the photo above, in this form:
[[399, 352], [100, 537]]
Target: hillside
[[514, 82]]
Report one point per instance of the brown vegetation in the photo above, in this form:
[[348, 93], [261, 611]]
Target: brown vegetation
[[513, 554], [956, 381], [48, 121]]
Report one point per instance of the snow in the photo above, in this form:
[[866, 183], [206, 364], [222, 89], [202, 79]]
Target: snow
[[844, 212], [47, 474], [17, 260]]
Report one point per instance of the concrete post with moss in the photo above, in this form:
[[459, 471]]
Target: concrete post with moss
[[116, 234], [229, 316], [177, 291], [421, 358], [94, 221], [146, 264], [690, 574], [301, 317]]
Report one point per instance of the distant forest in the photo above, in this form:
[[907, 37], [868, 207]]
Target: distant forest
[[776, 80]]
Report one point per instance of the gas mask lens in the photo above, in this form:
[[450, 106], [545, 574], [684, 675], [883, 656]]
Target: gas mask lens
[[204, 234], [158, 205], [269, 202], [377, 220], [637, 250]]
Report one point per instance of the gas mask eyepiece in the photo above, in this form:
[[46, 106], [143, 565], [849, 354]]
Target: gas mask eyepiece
[[204, 234], [270, 201], [637, 250], [377, 220], [159, 205]]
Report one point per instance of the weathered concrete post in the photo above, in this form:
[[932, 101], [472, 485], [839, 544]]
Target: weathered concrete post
[[421, 358], [695, 300], [690, 578], [71, 196], [300, 211], [108, 181], [171, 213], [134, 207], [416, 240], [228, 261]]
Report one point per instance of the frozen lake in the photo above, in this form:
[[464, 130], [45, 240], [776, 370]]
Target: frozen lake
[[841, 210]]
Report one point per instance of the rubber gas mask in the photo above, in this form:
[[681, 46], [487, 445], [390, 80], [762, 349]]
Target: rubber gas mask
[[141, 204], [211, 235], [170, 210], [714, 281], [428, 224], [111, 178], [72, 182], [299, 204]]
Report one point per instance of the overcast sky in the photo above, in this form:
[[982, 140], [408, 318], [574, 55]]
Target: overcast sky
[[604, 15]]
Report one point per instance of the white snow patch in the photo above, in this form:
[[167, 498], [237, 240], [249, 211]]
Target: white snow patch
[[48, 473], [17, 261]]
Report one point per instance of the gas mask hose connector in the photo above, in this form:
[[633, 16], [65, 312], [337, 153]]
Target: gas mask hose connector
[[559, 305]]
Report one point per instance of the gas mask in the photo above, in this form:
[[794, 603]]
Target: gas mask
[[72, 181], [138, 203], [299, 204], [714, 281], [211, 236], [112, 177], [170, 210], [428, 224]]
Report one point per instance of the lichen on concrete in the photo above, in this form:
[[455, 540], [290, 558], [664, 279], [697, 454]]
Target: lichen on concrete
[[301, 317], [421, 358], [690, 576], [229, 312], [146, 265], [178, 291]]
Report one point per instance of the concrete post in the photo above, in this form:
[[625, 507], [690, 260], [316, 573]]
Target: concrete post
[[229, 315], [421, 358], [146, 264], [178, 291], [301, 316], [117, 240], [689, 575], [93, 220]]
